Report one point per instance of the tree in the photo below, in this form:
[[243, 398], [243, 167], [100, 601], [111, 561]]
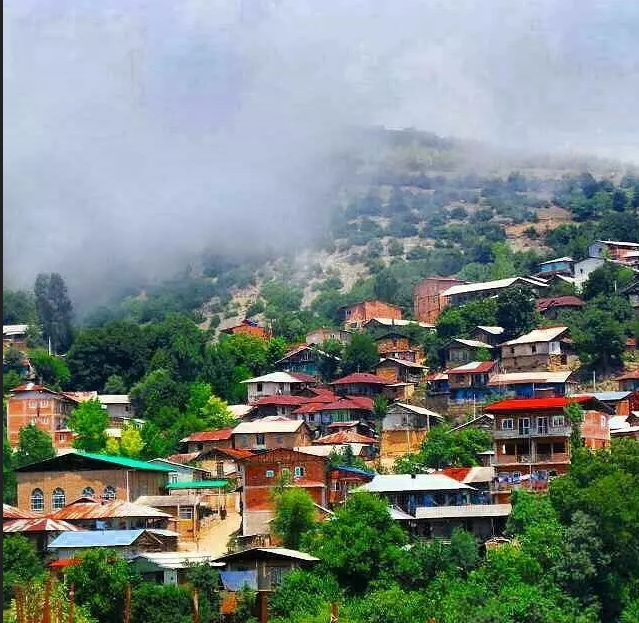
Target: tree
[[295, 515], [158, 390], [34, 445], [10, 380], [216, 414], [51, 371], [380, 407], [607, 280], [115, 385], [131, 443], [160, 603], [619, 200], [8, 474], [575, 415], [18, 307], [449, 323], [516, 312], [328, 364], [89, 421], [386, 286], [55, 310], [359, 545], [206, 580], [157, 442], [13, 360], [360, 355], [20, 563], [100, 579], [303, 592]]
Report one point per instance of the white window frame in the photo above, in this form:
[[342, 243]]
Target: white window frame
[[186, 510], [58, 499], [86, 494], [508, 424], [110, 493], [299, 471], [270, 473], [173, 477], [558, 421], [37, 500]]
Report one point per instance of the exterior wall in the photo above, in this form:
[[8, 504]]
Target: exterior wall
[[397, 417], [394, 373], [459, 355], [305, 361], [398, 442], [427, 302], [359, 389], [206, 446], [49, 412], [120, 410], [319, 336], [247, 329], [257, 390], [488, 338], [272, 441], [356, 315], [73, 483], [584, 268], [457, 381], [556, 267]]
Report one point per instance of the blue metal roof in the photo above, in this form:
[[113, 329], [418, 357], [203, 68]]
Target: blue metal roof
[[103, 538], [355, 470]]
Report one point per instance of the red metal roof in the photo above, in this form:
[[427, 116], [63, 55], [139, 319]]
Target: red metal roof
[[305, 378], [629, 376], [311, 407], [458, 473], [64, 562], [532, 404], [283, 399], [183, 457], [481, 368], [350, 402], [107, 510], [11, 512], [345, 436], [559, 301], [41, 524], [360, 377], [350, 424], [235, 453], [210, 435]]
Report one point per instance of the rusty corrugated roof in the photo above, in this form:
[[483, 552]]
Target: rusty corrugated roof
[[108, 510]]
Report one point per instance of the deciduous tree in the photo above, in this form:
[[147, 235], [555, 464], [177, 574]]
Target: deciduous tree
[[89, 421], [295, 515], [33, 445]]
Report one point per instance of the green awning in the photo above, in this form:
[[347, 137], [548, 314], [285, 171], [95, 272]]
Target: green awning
[[198, 484]]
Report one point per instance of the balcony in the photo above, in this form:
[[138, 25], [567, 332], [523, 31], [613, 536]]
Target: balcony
[[528, 459], [534, 431]]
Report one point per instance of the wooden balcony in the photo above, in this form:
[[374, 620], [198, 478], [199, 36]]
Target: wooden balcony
[[527, 459], [533, 431]]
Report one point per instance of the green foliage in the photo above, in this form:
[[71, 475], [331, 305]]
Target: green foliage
[[20, 564], [245, 605], [328, 366], [516, 312], [575, 415], [206, 580], [10, 380], [18, 307], [50, 370], [216, 414], [54, 310], [13, 360], [295, 515], [360, 545], [606, 280], [33, 445], [156, 394], [131, 443], [304, 592], [360, 355], [89, 421], [380, 407], [115, 385], [9, 492], [100, 579], [160, 603], [444, 447]]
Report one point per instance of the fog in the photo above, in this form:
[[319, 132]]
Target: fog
[[139, 133]]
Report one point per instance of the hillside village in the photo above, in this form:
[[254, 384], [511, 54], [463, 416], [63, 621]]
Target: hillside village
[[330, 418]]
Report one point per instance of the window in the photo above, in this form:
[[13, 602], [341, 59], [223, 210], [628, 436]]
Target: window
[[557, 421], [559, 447], [37, 500], [533, 349], [299, 471], [279, 439], [524, 425], [88, 492], [270, 473], [286, 472], [335, 485], [186, 512], [259, 387], [32, 404], [62, 437], [507, 424], [58, 499], [109, 493], [311, 417], [260, 439], [603, 421], [173, 477], [244, 441]]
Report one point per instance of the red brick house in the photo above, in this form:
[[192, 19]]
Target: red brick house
[[263, 471], [427, 299], [356, 315], [249, 327], [344, 478]]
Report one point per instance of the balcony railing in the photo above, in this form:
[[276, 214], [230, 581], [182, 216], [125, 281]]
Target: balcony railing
[[534, 431], [527, 459]]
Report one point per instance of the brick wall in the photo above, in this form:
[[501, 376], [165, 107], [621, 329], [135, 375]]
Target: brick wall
[[427, 302]]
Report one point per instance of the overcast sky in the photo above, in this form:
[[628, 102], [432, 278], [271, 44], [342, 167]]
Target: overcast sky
[[138, 132]]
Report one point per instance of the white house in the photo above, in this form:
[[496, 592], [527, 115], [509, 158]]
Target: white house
[[273, 384]]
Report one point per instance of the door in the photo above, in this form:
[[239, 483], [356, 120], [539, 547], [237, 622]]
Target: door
[[524, 426], [542, 425]]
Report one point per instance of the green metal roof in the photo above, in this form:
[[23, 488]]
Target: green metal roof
[[126, 462], [198, 484]]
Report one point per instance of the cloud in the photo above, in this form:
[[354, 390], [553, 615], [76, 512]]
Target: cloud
[[139, 133]]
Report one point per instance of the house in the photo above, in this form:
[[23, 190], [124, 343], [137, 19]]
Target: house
[[181, 472], [282, 406], [480, 478], [533, 384], [375, 325], [169, 567], [357, 314], [263, 471], [41, 531], [346, 436], [271, 564], [532, 438], [242, 412], [552, 307], [343, 479], [305, 359], [118, 405], [625, 426], [222, 462], [405, 427], [488, 334], [427, 297], [187, 511], [320, 416], [270, 433], [317, 337], [47, 409], [584, 268], [613, 249], [629, 381], [432, 505], [91, 514], [208, 440], [621, 403], [394, 345], [540, 349], [45, 486], [394, 370], [437, 383], [248, 327], [359, 384], [560, 265], [485, 421], [631, 292], [273, 384], [126, 543], [459, 351], [469, 382], [15, 335], [325, 450], [459, 294]]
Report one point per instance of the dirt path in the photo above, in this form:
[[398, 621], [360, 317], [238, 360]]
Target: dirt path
[[213, 538]]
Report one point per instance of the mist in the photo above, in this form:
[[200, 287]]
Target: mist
[[139, 134]]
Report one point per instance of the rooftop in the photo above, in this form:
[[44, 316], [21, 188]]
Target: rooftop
[[210, 435], [471, 343], [12, 512], [419, 410], [474, 367], [107, 510], [392, 322], [76, 460], [197, 484], [402, 362], [239, 411], [345, 436], [282, 399], [41, 524], [606, 396], [621, 243], [114, 399], [103, 538], [274, 377], [522, 378], [557, 259], [538, 335], [326, 449], [394, 483], [631, 375], [179, 560], [168, 501], [490, 285], [491, 329], [469, 510], [266, 425], [14, 329], [558, 301], [360, 377], [534, 404], [265, 552]]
